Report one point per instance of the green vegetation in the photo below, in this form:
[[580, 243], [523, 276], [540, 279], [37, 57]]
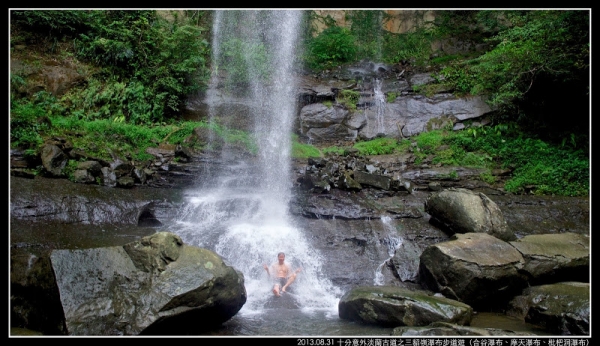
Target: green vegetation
[[380, 146], [413, 47], [26, 123], [391, 97], [487, 177], [335, 150], [139, 67], [333, 46], [549, 168], [366, 26], [303, 151], [70, 168], [31, 122], [147, 64], [534, 64], [348, 98]]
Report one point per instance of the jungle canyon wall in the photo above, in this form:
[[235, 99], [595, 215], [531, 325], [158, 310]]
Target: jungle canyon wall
[[394, 21], [397, 22]]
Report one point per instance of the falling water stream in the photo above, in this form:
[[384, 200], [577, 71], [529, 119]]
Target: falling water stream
[[380, 105], [242, 214], [391, 243]]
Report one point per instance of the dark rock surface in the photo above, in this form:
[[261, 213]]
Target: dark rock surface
[[395, 306], [475, 268], [555, 257], [357, 230], [462, 211], [561, 308], [157, 285]]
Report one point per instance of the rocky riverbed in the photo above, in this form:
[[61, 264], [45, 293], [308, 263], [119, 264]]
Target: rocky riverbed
[[356, 230]]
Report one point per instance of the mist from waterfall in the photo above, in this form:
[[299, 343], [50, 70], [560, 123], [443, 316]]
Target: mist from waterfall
[[242, 214]]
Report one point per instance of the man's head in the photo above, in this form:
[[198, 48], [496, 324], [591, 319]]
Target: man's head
[[281, 257]]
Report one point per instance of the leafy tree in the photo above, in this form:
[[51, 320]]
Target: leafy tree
[[538, 69], [148, 64], [334, 45], [157, 62], [51, 22], [367, 27]]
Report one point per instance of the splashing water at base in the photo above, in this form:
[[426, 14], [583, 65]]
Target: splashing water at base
[[245, 228]]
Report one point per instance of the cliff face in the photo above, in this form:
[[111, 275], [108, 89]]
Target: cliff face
[[398, 22]]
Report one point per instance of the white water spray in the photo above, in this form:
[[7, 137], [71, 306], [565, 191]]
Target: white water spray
[[380, 105], [243, 213], [392, 244]]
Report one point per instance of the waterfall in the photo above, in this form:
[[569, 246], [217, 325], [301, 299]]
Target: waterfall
[[379, 105], [242, 212], [392, 243]]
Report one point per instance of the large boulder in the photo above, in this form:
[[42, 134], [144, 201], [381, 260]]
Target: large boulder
[[395, 306], [551, 258], [475, 268], [87, 172], [156, 285], [320, 115], [562, 308], [459, 210]]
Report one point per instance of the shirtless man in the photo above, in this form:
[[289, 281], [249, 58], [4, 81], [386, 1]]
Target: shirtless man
[[282, 274]]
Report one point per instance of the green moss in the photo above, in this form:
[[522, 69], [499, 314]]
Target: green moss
[[303, 151], [379, 146], [348, 98], [487, 177], [391, 97]]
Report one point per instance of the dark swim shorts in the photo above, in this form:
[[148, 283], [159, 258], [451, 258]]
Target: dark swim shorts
[[280, 281]]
